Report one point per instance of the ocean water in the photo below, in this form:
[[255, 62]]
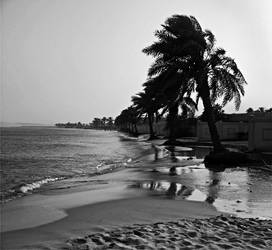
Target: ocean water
[[34, 156]]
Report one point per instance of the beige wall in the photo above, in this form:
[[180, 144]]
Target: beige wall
[[159, 128], [226, 130], [260, 135]]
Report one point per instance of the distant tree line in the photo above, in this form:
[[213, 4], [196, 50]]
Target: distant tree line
[[74, 125], [105, 123], [259, 110]]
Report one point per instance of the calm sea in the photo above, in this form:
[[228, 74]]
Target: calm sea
[[33, 156]]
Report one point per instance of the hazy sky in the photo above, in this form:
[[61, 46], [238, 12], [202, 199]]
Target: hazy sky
[[73, 60]]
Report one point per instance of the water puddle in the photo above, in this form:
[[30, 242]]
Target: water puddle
[[213, 195], [178, 174]]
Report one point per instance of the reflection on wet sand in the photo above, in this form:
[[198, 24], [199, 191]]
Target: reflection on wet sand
[[172, 153], [197, 152], [173, 171], [214, 187], [156, 152], [169, 189], [243, 191]]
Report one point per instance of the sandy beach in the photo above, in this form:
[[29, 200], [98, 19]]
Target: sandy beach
[[36, 221], [124, 209], [213, 233]]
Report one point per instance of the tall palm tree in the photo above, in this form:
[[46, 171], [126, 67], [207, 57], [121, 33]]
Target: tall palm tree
[[127, 120], [170, 98], [184, 48], [97, 123], [110, 122], [249, 110], [104, 121], [145, 103], [175, 101]]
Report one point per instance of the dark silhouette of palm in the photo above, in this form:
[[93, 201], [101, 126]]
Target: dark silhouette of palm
[[171, 98], [110, 122], [127, 120], [187, 60], [145, 103]]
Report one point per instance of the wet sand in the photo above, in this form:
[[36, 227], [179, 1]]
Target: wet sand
[[50, 219], [104, 216]]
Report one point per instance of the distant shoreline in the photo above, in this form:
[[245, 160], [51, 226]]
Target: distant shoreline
[[84, 126], [23, 124]]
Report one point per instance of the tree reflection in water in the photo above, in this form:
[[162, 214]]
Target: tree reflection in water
[[156, 152], [170, 189], [173, 157], [173, 171], [214, 187]]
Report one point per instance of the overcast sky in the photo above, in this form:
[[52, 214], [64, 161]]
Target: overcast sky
[[73, 60]]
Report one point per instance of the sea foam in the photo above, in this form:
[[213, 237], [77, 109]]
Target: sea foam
[[25, 188]]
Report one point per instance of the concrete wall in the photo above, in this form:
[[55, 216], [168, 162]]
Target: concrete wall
[[260, 135], [226, 130], [159, 128], [183, 128], [142, 128]]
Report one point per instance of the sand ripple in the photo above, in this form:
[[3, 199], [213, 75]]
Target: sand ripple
[[214, 233]]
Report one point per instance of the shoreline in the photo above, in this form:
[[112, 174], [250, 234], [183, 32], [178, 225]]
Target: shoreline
[[106, 203], [56, 215], [107, 215]]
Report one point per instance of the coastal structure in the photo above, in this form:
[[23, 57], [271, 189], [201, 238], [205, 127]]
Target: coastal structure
[[159, 128], [255, 127], [228, 130], [184, 127], [260, 133]]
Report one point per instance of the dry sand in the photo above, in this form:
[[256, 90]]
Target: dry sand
[[213, 233]]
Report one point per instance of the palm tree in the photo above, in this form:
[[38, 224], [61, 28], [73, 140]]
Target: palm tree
[[104, 121], [145, 103], [110, 122], [127, 120], [184, 48], [169, 97], [96, 122], [217, 111], [261, 109], [250, 110]]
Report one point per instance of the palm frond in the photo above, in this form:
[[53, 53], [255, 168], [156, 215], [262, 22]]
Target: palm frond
[[196, 24], [210, 39]]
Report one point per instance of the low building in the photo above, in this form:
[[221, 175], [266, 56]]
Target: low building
[[256, 127], [260, 133], [184, 127], [227, 130]]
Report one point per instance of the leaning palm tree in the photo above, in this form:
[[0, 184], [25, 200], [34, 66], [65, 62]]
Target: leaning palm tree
[[186, 106], [127, 121], [131, 115], [145, 103], [184, 48], [171, 98]]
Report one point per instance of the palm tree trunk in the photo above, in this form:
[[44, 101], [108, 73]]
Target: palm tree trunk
[[205, 96], [135, 129], [172, 118], [150, 123]]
